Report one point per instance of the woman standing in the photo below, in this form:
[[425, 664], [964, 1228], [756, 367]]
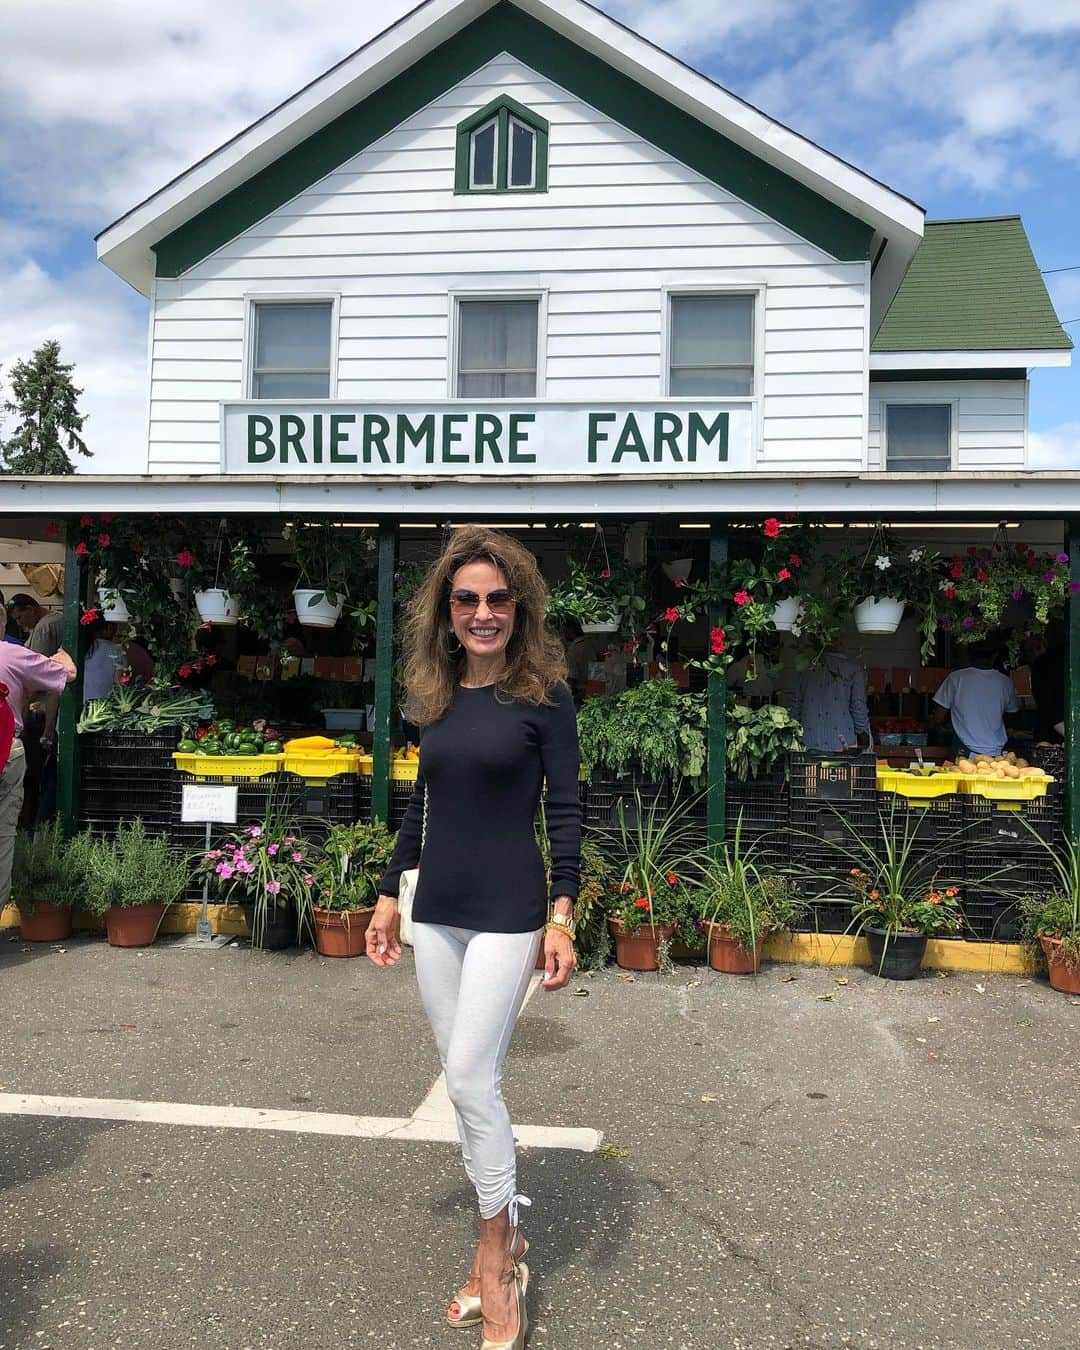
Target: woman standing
[[486, 685]]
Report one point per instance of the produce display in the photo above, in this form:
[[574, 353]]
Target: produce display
[[225, 737], [1000, 766]]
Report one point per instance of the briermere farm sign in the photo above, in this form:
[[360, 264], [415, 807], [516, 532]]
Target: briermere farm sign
[[467, 439]]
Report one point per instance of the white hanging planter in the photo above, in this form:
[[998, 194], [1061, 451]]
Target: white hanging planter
[[113, 607], [786, 614], [879, 616], [216, 606], [315, 609], [678, 569], [608, 625]]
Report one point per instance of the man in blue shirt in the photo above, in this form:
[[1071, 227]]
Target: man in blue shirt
[[830, 702]]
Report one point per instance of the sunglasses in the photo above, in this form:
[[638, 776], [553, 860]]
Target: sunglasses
[[499, 602]]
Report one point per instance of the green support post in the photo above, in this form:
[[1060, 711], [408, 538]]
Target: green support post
[[384, 673], [716, 801], [67, 746], [1072, 683]]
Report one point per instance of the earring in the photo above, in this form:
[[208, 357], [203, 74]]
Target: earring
[[453, 643]]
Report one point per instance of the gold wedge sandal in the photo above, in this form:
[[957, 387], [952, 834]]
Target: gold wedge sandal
[[470, 1313]]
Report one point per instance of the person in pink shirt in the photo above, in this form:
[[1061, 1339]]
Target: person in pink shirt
[[24, 672]]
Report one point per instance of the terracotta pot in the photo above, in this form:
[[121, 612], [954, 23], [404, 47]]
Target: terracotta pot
[[638, 951], [727, 956], [133, 926], [1063, 977], [48, 923], [341, 932]]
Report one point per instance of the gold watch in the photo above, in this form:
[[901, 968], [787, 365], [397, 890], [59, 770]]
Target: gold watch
[[562, 923]]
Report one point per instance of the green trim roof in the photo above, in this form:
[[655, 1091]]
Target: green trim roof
[[973, 285]]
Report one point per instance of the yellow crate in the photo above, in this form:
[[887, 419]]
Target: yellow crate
[[227, 766], [322, 763], [918, 787], [1004, 789], [401, 770]]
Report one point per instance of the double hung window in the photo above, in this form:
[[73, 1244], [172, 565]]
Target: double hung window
[[497, 345], [918, 437], [291, 349], [712, 346]]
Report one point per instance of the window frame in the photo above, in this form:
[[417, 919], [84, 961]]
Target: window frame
[[919, 401], [252, 299], [757, 292], [501, 110], [457, 298]]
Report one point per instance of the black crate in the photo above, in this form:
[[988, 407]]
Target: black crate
[[763, 803], [828, 915], [819, 873], [342, 799], [104, 827], [1010, 824], [128, 749], [612, 797], [840, 779], [1049, 758], [834, 822], [400, 796], [121, 792], [930, 825], [991, 873], [987, 919]]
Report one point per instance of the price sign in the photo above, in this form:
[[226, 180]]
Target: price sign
[[205, 802]]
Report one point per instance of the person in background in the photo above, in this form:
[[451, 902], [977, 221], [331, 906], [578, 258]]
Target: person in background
[[977, 698], [830, 702], [1048, 687], [101, 661], [23, 671], [138, 659], [44, 627]]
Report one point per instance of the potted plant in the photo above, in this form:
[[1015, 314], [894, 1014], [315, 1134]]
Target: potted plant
[[651, 728], [48, 878], [333, 562], [983, 587], [886, 578], [740, 904], [132, 879], [1052, 920], [347, 875], [603, 599], [268, 870], [649, 902], [759, 739]]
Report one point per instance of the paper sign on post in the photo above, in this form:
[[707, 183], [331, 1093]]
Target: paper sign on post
[[205, 802]]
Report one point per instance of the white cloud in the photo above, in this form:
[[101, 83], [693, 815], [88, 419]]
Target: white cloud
[[1056, 448]]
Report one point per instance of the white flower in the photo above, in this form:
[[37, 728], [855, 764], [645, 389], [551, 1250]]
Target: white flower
[[915, 555], [883, 562], [944, 585]]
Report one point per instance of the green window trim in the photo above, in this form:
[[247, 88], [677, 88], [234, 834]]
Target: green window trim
[[500, 111], [554, 57]]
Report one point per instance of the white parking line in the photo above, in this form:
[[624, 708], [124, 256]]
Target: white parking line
[[432, 1122]]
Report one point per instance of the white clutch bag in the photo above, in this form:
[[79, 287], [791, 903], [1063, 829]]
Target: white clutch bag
[[407, 888]]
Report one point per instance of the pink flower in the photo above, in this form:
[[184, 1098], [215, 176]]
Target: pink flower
[[106, 516], [783, 574], [185, 671], [671, 614], [81, 550], [103, 540], [86, 521], [124, 677], [772, 528], [298, 857], [795, 560], [628, 647], [606, 574], [253, 831], [185, 558], [224, 870], [742, 598], [246, 867], [680, 582], [214, 853], [272, 850], [273, 887], [211, 660], [309, 880]]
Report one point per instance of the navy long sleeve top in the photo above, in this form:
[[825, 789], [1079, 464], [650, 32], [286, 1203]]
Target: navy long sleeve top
[[482, 767]]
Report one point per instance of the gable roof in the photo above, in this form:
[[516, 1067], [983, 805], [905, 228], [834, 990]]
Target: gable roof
[[825, 200], [973, 285]]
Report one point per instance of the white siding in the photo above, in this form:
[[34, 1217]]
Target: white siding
[[621, 221], [989, 419]]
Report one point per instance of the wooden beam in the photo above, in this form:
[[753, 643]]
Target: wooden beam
[[716, 800], [384, 672]]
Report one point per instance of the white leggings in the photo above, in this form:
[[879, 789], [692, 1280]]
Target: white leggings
[[473, 985]]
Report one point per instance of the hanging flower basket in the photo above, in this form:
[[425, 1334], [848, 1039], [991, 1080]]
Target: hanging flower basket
[[786, 614], [315, 609], [678, 569], [113, 607], [879, 616], [216, 606], [610, 624]]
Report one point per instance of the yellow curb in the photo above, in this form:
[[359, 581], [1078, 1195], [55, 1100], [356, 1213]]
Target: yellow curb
[[825, 949]]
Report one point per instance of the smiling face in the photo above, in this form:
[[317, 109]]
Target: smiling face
[[483, 631]]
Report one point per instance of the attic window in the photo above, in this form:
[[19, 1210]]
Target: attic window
[[502, 148]]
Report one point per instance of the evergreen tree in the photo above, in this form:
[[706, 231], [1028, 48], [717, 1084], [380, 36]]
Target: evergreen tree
[[46, 407]]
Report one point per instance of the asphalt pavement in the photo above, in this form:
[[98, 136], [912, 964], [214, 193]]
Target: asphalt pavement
[[787, 1160]]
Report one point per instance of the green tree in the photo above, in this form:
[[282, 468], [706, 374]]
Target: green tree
[[45, 403]]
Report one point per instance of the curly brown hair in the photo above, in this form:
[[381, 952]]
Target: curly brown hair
[[535, 660]]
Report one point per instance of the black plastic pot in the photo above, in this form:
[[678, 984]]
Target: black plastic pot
[[895, 956], [280, 931]]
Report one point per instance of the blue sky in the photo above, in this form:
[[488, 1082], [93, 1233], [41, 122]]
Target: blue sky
[[968, 106]]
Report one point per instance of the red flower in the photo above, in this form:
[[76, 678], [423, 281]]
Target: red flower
[[106, 516], [742, 598], [795, 560], [672, 879], [772, 528], [51, 531], [89, 617], [783, 574], [208, 627], [629, 647], [85, 521], [81, 550], [641, 903], [124, 677], [671, 614], [185, 671], [950, 592], [982, 576], [680, 582], [198, 667], [185, 558], [103, 540], [211, 660], [717, 641], [956, 571], [606, 574]]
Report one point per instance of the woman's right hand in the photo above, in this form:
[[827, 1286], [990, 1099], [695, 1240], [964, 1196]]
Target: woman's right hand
[[383, 943]]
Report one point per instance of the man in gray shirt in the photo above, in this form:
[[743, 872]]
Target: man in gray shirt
[[830, 702]]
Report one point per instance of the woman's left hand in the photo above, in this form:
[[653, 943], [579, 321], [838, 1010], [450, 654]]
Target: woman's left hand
[[559, 960]]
